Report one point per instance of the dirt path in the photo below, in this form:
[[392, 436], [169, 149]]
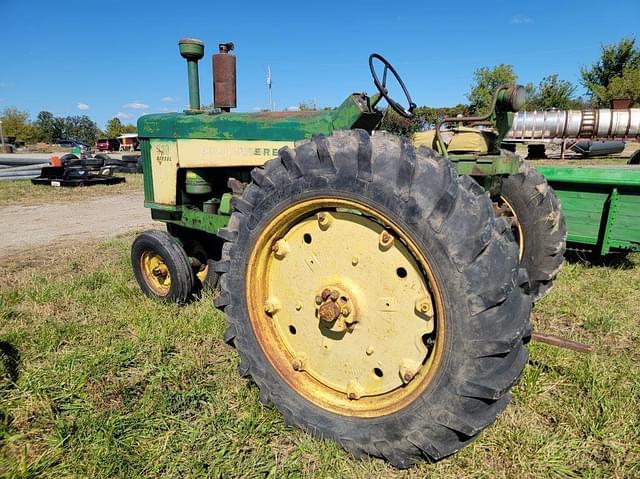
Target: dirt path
[[27, 227]]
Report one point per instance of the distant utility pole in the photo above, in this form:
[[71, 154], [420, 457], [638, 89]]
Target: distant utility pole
[[1, 136], [269, 87]]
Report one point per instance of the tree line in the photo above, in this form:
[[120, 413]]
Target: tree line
[[47, 128], [616, 74]]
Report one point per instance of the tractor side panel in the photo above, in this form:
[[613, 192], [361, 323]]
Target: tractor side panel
[[164, 161], [227, 153]]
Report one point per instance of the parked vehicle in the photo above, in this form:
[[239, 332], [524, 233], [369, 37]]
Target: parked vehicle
[[107, 144], [64, 143]]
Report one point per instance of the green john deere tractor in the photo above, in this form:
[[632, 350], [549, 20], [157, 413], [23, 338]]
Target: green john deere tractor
[[374, 294]]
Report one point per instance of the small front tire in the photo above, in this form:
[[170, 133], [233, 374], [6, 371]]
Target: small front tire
[[162, 267]]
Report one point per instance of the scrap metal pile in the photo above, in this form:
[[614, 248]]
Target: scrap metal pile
[[70, 169]]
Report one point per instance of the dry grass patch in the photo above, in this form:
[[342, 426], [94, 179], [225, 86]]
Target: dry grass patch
[[23, 192]]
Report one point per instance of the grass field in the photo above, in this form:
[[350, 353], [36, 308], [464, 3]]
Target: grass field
[[22, 192], [99, 381]]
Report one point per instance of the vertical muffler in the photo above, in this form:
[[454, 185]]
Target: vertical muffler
[[224, 78]]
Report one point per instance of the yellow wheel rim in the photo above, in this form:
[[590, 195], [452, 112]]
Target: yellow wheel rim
[[155, 272], [345, 307], [202, 273], [504, 209]]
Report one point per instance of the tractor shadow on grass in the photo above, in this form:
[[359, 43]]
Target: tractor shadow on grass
[[593, 260], [9, 361]]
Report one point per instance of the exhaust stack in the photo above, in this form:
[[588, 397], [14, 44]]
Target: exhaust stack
[[192, 50], [224, 78]]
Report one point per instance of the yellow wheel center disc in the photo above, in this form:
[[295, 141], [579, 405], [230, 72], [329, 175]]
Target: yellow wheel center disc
[[348, 306], [155, 272]]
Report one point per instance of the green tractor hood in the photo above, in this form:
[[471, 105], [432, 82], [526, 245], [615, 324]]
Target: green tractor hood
[[355, 112]]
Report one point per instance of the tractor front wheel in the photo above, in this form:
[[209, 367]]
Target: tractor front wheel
[[373, 296], [162, 267]]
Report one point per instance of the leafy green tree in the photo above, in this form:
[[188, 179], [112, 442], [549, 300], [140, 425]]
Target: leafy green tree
[[82, 128], [625, 86], [129, 129], [486, 82], [614, 61], [399, 125], [552, 93], [49, 127], [429, 115], [16, 123], [114, 128]]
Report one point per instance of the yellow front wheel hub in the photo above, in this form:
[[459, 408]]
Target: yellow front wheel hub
[[345, 307], [155, 272]]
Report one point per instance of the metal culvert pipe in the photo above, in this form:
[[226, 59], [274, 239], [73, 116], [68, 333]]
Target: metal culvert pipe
[[600, 123]]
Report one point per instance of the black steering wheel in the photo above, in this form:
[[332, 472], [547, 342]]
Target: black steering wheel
[[382, 86]]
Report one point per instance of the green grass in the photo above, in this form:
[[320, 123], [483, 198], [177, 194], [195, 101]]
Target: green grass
[[111, 384], [23, 192]]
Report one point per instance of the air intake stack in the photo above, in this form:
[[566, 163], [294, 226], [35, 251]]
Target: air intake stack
[[224, 78], [192, 50]]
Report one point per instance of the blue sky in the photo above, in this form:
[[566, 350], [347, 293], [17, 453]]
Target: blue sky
[[72, 57]]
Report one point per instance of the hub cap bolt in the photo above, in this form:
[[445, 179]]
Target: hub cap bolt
[[355, 260], [369, 351], [329, 312], [325, 294], [318, 300], [334, 295]]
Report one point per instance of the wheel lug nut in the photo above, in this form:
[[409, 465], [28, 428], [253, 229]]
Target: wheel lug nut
[[345, 311], [386, 240], [280, 248], [369, 351], [271, 306], [318, 300], [298, 306], [299, 362], [355, 260], [354, 390], [324, 220], [423, 306], [334, 295], [408, 370], [325, 294]]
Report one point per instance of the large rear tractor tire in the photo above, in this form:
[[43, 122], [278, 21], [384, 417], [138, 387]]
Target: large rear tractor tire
[[162, 267], [533, 209], [374, 297]]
